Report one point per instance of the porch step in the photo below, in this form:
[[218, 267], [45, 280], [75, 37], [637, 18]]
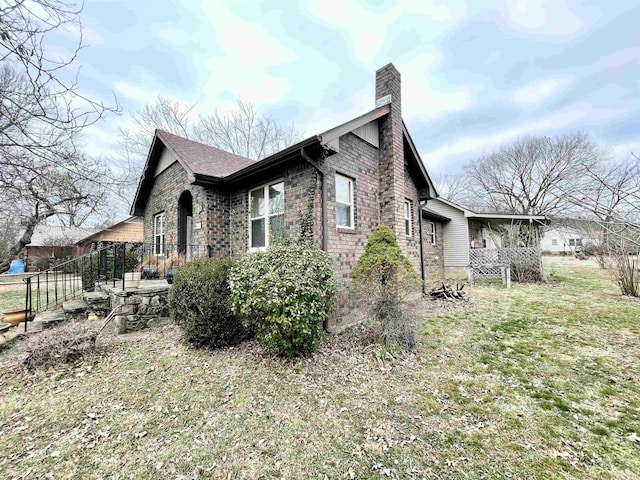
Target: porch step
[[46, 320]]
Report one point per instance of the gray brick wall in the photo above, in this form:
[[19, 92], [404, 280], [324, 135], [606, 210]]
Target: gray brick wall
[[433, 254], [164, 195], [299, 182], [358, 160]]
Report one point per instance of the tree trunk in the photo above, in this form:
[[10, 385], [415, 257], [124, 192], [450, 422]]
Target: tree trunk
[[19, 245]]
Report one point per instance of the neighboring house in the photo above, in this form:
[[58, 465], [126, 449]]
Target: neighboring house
[[50, 242], [464, 229], [348, 179], [562, 237], [130, 230]]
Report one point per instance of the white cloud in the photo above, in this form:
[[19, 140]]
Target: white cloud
[[422, 99], [542, 17], [368, 29], [537, 92], [248, 51], [573, 117], [623, 151], [141, 94]]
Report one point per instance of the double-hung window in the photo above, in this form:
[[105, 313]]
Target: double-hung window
[[266, 215], [344, 202], [158, 234], [408, 224], [432, 232]]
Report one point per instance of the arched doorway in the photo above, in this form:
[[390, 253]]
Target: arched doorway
[[185, 224]]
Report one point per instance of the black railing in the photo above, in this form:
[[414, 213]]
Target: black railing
[[161, 261], [114, 265]]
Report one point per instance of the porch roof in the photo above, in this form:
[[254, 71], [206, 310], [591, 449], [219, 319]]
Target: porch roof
[[427, 212], [509, 217]]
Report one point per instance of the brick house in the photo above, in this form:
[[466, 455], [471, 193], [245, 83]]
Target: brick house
[[349, 179]]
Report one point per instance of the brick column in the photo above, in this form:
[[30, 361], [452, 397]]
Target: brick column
[[391, 161]]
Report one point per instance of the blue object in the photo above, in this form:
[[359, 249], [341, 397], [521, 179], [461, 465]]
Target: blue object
[[17, 266]]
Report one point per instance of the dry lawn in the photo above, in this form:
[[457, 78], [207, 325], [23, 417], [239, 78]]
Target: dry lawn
[[534, 382]]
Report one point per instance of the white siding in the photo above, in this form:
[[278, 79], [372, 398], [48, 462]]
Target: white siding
[[165, 161], [369, 133], [455, 235]]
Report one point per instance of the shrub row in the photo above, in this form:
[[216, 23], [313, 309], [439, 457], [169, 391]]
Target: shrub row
[[283, 295]]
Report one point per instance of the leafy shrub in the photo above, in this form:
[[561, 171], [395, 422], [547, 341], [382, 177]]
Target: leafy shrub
[[200, 302], [384, 275], [285, 293]]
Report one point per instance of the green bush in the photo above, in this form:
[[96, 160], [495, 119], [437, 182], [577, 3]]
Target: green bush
[[383, 261], [200, 302], [383, 276], [285, 293]]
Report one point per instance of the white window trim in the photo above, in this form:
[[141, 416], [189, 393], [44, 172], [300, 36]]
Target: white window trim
[[266, 215], [408, 203], [351, 204], [163, 217], [432, 233]]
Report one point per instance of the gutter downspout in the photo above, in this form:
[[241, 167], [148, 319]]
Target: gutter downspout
[[421, 247], [323, 186]]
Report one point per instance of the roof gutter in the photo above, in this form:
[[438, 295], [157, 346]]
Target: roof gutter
[[272, 161]]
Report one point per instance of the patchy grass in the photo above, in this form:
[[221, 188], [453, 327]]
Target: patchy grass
[[12, 298], [534, 382]]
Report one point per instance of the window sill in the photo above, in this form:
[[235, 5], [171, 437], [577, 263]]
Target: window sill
[[346, 230]]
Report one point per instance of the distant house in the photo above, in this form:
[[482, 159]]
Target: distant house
[[53, 242], [565, 236], [130, 230], [464, 229]]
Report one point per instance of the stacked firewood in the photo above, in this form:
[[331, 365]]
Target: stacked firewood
[[448, 292]]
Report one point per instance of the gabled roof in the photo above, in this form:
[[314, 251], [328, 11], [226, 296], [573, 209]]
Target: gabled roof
[[201, 159], [196, 158], [209, 165], [56, 235]]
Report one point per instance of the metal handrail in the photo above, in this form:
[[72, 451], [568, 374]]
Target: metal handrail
[[112, 263]]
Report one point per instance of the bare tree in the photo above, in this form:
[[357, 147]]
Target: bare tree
[[453, 187], [243, 131], [42, 113], [533, 175], [610, 191]]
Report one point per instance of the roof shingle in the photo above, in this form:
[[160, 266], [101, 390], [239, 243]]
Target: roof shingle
[[203, 159]]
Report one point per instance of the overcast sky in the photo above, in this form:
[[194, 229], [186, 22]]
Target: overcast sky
[[475, 74]]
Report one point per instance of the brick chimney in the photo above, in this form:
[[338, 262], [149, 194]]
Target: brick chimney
[[391, 160]]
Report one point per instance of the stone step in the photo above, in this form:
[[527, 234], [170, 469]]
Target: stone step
[[93, 298], [46, 320], [75, 306]]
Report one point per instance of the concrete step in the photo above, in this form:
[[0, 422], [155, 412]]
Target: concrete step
[[75, 306]]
